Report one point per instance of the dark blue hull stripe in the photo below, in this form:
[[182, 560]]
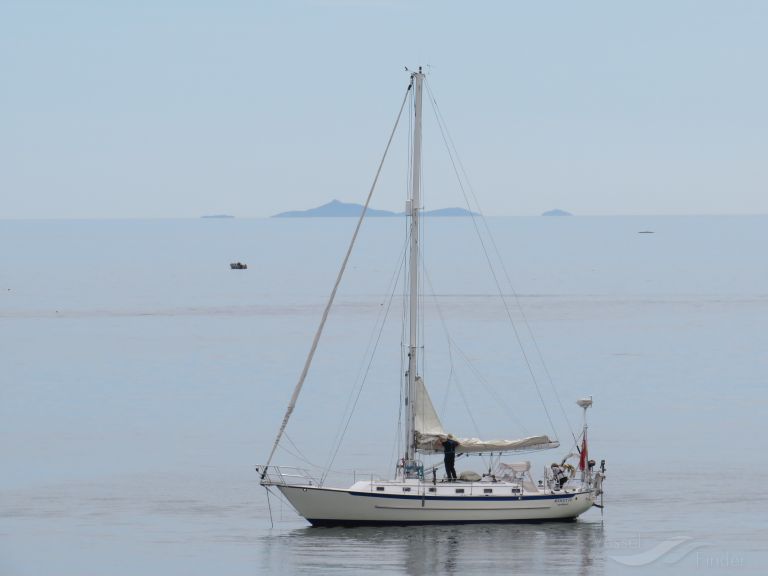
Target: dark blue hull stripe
[[455, 498]]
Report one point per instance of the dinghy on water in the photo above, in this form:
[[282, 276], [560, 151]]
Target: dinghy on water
[[507, 493]]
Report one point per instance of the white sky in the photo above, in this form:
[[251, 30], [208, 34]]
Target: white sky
[[187, 107]]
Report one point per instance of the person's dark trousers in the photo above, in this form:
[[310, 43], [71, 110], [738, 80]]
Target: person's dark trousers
[[449, 469]]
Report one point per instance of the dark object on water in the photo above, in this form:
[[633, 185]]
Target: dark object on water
[[645, 232], [238, 266]]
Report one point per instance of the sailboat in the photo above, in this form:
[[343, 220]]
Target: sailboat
[[415, 495]]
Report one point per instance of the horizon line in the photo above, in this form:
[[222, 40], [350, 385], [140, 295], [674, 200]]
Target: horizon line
[[271, 217]]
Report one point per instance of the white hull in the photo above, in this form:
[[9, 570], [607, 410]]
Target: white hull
[[358, 506]]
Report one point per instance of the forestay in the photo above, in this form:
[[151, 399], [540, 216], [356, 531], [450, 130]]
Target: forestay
[[429, 431]]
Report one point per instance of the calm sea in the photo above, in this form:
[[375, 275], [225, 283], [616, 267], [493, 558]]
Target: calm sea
[[141, 380]]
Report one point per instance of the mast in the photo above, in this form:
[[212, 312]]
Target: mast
[[413, 208]]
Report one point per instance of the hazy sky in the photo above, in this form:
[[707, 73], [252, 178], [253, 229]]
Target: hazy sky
[[177, 108]]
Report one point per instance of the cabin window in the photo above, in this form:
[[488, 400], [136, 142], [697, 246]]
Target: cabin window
[[380, 488], [431, 489], [406, 489], [515, 490], [487, 490], [459, 490]]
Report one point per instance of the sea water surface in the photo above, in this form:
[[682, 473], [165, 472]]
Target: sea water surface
[[142, 379]]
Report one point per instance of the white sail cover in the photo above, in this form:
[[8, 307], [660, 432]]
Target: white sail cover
[[430, 432]]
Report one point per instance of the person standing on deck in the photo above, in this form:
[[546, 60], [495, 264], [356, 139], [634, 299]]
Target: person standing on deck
[[449, 448]]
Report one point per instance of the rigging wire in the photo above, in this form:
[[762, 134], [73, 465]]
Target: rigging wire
[[448, 338], [339, 471], [381, 325], [450, 353], [269, 505], [442, 123], [451, 365], [370, 350], [298, 454], [315, 342], [280, 498], [488, 387], [398, 428], [488, 260], [451, 344]]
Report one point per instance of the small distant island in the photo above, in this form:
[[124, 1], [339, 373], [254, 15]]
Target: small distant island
[[556, 212], [337, 209], [217, 216]]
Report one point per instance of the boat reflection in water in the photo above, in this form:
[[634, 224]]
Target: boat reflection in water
[[546, 548]]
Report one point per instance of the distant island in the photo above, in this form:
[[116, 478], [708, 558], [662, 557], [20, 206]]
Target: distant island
[[334, 209], [217, 216], [556, 212], [337, 209]]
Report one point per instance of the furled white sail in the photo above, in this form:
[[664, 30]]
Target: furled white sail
[[426, 421], [430, 432]]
